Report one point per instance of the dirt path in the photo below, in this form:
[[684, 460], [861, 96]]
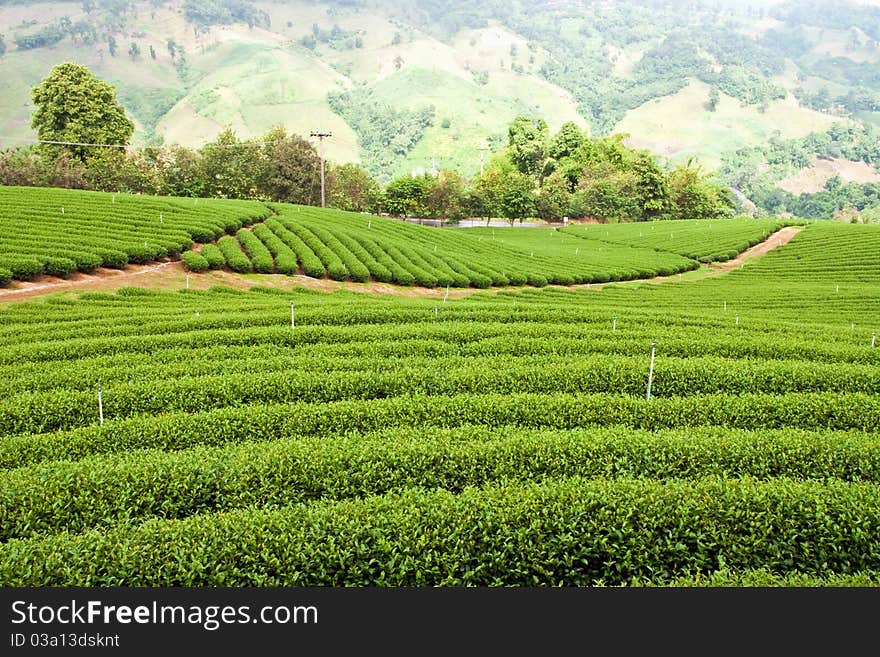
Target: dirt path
[[102, 278], [777, 239], [172, 276]]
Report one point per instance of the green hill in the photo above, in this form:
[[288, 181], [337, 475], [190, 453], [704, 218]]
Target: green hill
[[634, 67]]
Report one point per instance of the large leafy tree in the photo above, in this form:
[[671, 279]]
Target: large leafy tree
[[292, 170], [527, 145], [352, 188], [406, 196], [445, 198], [75, 106]]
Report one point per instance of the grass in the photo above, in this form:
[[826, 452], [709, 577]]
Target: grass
[[678, 127]]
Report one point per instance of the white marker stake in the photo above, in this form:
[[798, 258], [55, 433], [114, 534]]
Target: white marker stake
[[187, 281], [435, 310], [614, 323], [370, 223], [446, 296], [725, 306], [161, 218], [873, 340], [113, 200], [292, 317], [577, 250], [651, 371], [62, 209], [100, 405], [737, 319], [838, 288]]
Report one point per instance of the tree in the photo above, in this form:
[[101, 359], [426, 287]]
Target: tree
[[111, 45], [152, 52], [406, 196], [27, 166], [2, 46], [527, 139], [555, 198], [171, 44], [181, 172], [652, 188], [398, 62], [230, 168], [75, 106], [292, 169], [134, 50], [517, 199], [352, 189], [567, 141], [694, 197], [487, 190], [445, 198], [607, 193]]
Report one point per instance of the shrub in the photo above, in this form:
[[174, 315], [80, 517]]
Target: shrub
[[235, 257], [215, 258], [195, 262]]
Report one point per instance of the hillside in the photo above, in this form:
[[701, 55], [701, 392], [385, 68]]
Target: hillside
[[458, 72]]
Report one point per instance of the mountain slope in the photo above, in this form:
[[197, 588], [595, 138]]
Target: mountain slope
[[645, 68]]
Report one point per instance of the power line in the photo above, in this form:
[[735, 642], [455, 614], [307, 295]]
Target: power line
[[24, 140], [320, 136]]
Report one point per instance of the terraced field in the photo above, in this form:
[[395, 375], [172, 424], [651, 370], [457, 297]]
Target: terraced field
[[59, 232], [346, 245], [504, 438], [705, 241]]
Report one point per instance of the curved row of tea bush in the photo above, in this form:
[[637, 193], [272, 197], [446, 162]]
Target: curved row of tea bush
[[59, 231], [66, 408], [174, 431], [566, 532], [135, 486], [707, 241]]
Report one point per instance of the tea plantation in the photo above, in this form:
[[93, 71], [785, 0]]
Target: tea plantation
[[503, 438]]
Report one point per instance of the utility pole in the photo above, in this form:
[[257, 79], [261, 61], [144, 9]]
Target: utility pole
[[320, 136]]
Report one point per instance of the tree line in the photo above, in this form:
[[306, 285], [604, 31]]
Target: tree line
[[537, 174]]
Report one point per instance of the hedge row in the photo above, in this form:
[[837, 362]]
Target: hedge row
[[332, 263], [214, 256], [311, 264], [131, 487], [571, 532], [174, 431], [260, 257], [66, 409], [285, 258], [235, 257], [357, 270], [195, 262]]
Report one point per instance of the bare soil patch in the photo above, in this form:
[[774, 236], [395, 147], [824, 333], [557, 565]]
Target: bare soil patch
[[812, 178]]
